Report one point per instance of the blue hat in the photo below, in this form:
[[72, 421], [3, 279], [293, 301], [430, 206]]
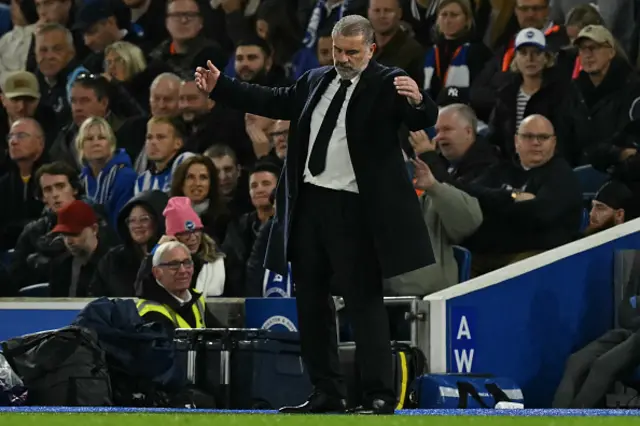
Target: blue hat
[[91, 13]]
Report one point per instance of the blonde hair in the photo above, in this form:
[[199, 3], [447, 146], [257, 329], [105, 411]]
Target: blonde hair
[[105, 129], [550, 62], [131, 55], [208, 250]]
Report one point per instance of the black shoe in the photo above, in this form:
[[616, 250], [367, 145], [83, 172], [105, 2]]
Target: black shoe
[[378, 407], [318, 403]]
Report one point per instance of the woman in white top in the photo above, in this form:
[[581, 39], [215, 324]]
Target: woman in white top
[[14, 45]]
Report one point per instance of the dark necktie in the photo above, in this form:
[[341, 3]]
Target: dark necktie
[[318, 158]]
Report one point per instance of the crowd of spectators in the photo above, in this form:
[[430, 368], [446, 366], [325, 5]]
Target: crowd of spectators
[[111, 148]]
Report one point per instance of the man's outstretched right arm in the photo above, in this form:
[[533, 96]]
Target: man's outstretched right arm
[[273, 102]]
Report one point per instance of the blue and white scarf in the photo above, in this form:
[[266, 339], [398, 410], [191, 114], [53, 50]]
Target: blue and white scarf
[[319, 14], [276, 285]]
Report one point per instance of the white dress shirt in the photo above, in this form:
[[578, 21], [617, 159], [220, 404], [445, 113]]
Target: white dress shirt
[[338, 173]]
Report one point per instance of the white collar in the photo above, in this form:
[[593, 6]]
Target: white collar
[[181, 301], [354, 80]]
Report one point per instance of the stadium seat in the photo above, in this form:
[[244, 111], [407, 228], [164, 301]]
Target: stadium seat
[[632, 380], [585, 220], [5, 257], [463, 257], [590, 180], [35, 290]]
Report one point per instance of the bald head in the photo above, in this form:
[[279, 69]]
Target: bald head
[[538, 122], [535, 141], [164, 95]]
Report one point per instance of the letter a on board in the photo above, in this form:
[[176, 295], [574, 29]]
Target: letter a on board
[[463, 329]]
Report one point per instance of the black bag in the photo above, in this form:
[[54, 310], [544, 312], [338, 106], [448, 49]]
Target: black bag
[[266, 370], [12, 390], [408, 363], [64, 367], [144, 366]]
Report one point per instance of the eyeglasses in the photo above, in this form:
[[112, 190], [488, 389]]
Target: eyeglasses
[[175, 265], [591, 48], [538, 8], [186, 235], [18, 135], [540, 137], [179, 16], [142, 220]]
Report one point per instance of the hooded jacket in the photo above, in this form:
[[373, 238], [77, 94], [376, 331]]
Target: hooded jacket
[[117, 271], [113, 187]]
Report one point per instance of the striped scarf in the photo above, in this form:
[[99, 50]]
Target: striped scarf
[[319, 14], [430, 10]]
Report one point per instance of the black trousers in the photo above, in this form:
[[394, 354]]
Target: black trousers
[[592, 370], [332, 247]]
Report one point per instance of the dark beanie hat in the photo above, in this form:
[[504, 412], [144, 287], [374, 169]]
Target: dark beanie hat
[[28, 8], [615, 195]]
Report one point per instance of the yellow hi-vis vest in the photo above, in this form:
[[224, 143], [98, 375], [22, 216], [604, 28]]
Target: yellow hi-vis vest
[[198, 308]]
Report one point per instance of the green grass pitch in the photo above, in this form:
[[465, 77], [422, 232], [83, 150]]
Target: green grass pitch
[[282, 420]]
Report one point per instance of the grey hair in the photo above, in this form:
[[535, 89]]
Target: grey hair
[[54, 26], [353, 26], [466, 113], [166, 75], [166, 247], [33, 122]]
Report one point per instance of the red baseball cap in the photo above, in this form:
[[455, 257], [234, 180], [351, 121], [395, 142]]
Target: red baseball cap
[[74, 218]]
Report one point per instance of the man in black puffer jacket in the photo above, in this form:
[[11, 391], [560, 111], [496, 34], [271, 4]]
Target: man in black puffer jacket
[[528, 207], [57, 185], [601, 101]]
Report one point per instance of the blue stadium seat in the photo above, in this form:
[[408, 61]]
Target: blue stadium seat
[[632, 380], [635, 376], [35, 290], [463, 257], [590, 180], [5, 257], [585, 220]]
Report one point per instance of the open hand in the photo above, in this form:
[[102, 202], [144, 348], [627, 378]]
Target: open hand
[[423, 175], [407, 87], [627, 152], [206, 79], [420, 142], [166, 239]]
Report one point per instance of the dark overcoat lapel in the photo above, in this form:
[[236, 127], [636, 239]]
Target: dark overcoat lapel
[[392, 208]]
